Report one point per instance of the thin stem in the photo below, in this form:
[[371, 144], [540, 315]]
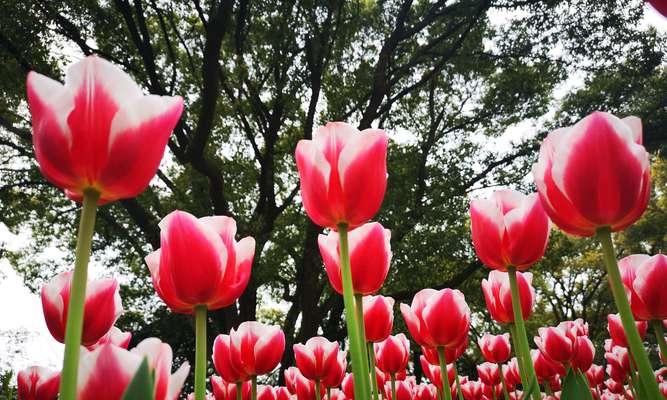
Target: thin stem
[[393, 386], [359, 315], [502, 381], [253, 391], [359, 366], [239, 390], [635, 344], [660, 337], [328, 393], [459, 392], [517, 353], [522, 338], [318, 384], [446, 389], [371, 367], [74, 327], [200, 352]]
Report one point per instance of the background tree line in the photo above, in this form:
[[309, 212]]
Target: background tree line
[[445, 79]]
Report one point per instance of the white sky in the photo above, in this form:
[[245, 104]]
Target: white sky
[[24, 338]]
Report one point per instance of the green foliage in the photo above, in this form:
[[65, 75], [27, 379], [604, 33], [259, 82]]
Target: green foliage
[[575, 387], [142, 385]]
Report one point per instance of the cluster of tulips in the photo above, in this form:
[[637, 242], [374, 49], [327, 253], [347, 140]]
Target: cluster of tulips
[[100, 139]]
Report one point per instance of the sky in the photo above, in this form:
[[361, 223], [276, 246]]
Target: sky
[[24, 338]]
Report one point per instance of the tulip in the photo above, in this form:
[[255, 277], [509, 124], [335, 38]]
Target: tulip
[[578, 327], [650, 287], [498, 296], [495, 348], [556, 344], [618, 363], [370, 255], [393, 354], [335, 394], [594, 174], [305, 388], [433, 373], [451, 353], [115, 336], [661, 7], [378, 317], [191, 396], [438, 318], [595, 375], [102, 307], [335, 375], [617, 333], [99, 131], [425, 392], [109, 369], [584, 353], [629, 266], [256, 348], [348, 386], [509, 230], [511, 373], [316, 358], [545, 367], [343, 174], [265, 392], [615, 387], [282, 393], [398, 390], [472, 390], [199, 262], [37, 383], [222, 361], [223, 390], [489, 373]]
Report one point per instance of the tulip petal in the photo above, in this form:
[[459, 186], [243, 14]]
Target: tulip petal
[[314, 174], [487, 228], [362, 168]]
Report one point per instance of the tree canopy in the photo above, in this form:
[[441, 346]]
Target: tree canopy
[[449, 81]]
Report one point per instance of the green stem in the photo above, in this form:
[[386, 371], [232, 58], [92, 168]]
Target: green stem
[[502, 381], [328, 393], [393, 386], [357, 350], [520, 362], [74, 327], [459, 393], [318, 384], [660, 337], [371, 367], [253, 392], [635, 344], [359, 315], [446, 389], [239, 390], [522, 338], [200, 352]]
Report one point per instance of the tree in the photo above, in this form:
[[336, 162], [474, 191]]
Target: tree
[[444, 78]]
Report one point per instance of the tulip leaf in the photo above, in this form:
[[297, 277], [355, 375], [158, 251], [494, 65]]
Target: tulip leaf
[[575, 387], [142, 385]]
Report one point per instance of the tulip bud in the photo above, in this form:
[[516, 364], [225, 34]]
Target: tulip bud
[[343, 174], [98, 130], [109, 369], [378, 317], [438, 318], [509, 230], [38, 383], [256, 348], [498, 295], [101, 310], [495, 348], [316, 358], [617, 333], [370, 255], [489, 373], [594, 174], [393, 353], [651, 287], [200, 262]]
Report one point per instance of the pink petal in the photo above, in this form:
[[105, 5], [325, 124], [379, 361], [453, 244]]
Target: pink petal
[[314, 173], [487, 227]]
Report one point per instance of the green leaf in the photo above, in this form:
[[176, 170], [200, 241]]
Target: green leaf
[[142, 385], [575, 387]]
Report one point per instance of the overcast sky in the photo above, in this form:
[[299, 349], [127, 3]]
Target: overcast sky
[[24, 338]]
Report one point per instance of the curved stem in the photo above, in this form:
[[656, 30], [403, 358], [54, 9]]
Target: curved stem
[[522, 339], [635, 344], [660, 338], [459, 393], [357, 350], [74, 327], [200, 352], [502, 381], [446, 388], [371, 367], [239, 390], [253, 392]]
